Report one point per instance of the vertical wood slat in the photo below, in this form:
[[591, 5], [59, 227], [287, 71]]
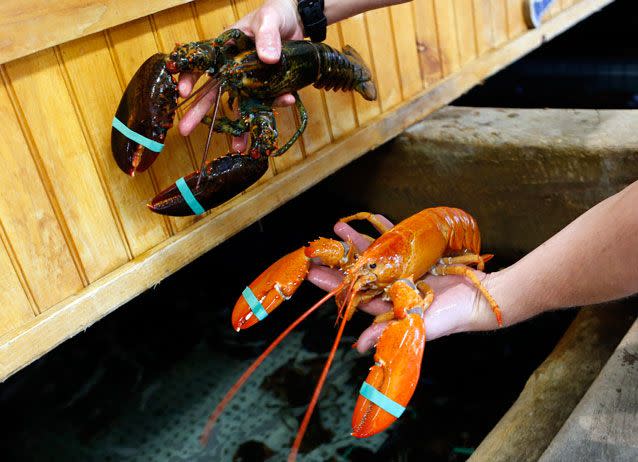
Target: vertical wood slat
[[339, 105], [29, 220], [555, 9], [427, 41], [448, 39], [98, 93], [483, 18], [464, 13], [384, 58], [133, 43], [355, 34], [516, 24], [15, 306], [499, 22], [42, 93], [404, 34]]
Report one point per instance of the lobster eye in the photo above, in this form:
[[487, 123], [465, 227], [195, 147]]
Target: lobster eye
[[372, 265]]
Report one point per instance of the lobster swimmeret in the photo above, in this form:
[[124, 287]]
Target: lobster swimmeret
[[437, 241], [148, 106]]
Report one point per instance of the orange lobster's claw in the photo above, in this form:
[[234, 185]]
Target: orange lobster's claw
[[393, 379], [278, 283], [145, 114]]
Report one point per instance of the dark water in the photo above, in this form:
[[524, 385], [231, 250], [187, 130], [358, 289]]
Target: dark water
[[140, 384]]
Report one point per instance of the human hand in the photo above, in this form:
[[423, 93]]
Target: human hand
[[457, 307], [268, 25]]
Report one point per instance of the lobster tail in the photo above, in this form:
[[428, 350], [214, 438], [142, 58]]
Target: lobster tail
[[145, 114], [344, 71]]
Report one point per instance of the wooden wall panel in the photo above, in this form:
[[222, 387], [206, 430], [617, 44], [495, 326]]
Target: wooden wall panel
[[404, 34], [76, 239], [385, 60], [29, 220], [43, 95], [516, 24], [499, 22], [355, 33], [27, 26], [15, 308], [464, 12], [448, 37], [339, 105], [483, 26], [427, 39]]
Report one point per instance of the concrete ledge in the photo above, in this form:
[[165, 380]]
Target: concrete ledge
[[523, 173]]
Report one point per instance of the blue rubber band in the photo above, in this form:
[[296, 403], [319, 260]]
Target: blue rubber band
[[254, 304], [188, 196], [381, 400], [140, 139]]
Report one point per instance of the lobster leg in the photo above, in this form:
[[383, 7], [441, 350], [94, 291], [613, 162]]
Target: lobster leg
[[442, 270], [303, 119], [371, 218], [468, 259], [225, 125], [242, 41], [282, 279], [393, 379]]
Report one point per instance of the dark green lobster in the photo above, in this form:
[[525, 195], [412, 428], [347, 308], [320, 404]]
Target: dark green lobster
[[148, 106]]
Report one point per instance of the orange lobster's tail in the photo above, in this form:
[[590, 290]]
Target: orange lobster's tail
[[246, 375], [278, 283]]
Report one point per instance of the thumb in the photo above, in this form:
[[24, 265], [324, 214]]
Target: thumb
[[267, 36]]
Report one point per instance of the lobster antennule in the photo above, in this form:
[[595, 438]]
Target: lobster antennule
[[248, 372]]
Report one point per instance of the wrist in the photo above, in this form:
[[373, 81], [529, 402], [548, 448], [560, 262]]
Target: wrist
[[515, 296]]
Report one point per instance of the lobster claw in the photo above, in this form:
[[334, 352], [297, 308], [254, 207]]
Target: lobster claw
[[224, 178], [278, 283], [145, 114], [393, 379]]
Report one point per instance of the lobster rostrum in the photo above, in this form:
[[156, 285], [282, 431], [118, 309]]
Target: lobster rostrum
[[148, 107], [437, 241]]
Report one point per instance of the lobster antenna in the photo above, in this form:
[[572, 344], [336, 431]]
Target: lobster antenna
[[200, 92], [203, 439], [315, 396], [210, 135]]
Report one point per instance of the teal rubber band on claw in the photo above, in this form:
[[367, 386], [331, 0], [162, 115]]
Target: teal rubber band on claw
[[140, 139], [254, 304], [188, 196], [381, 400]]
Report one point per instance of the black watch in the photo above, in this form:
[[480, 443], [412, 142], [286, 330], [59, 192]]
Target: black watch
[[313, 20]]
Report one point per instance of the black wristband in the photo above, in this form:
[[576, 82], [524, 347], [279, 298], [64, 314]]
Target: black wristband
[[313, 20]]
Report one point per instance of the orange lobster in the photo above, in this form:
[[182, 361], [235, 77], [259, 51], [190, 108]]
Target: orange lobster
[[436, 241]]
